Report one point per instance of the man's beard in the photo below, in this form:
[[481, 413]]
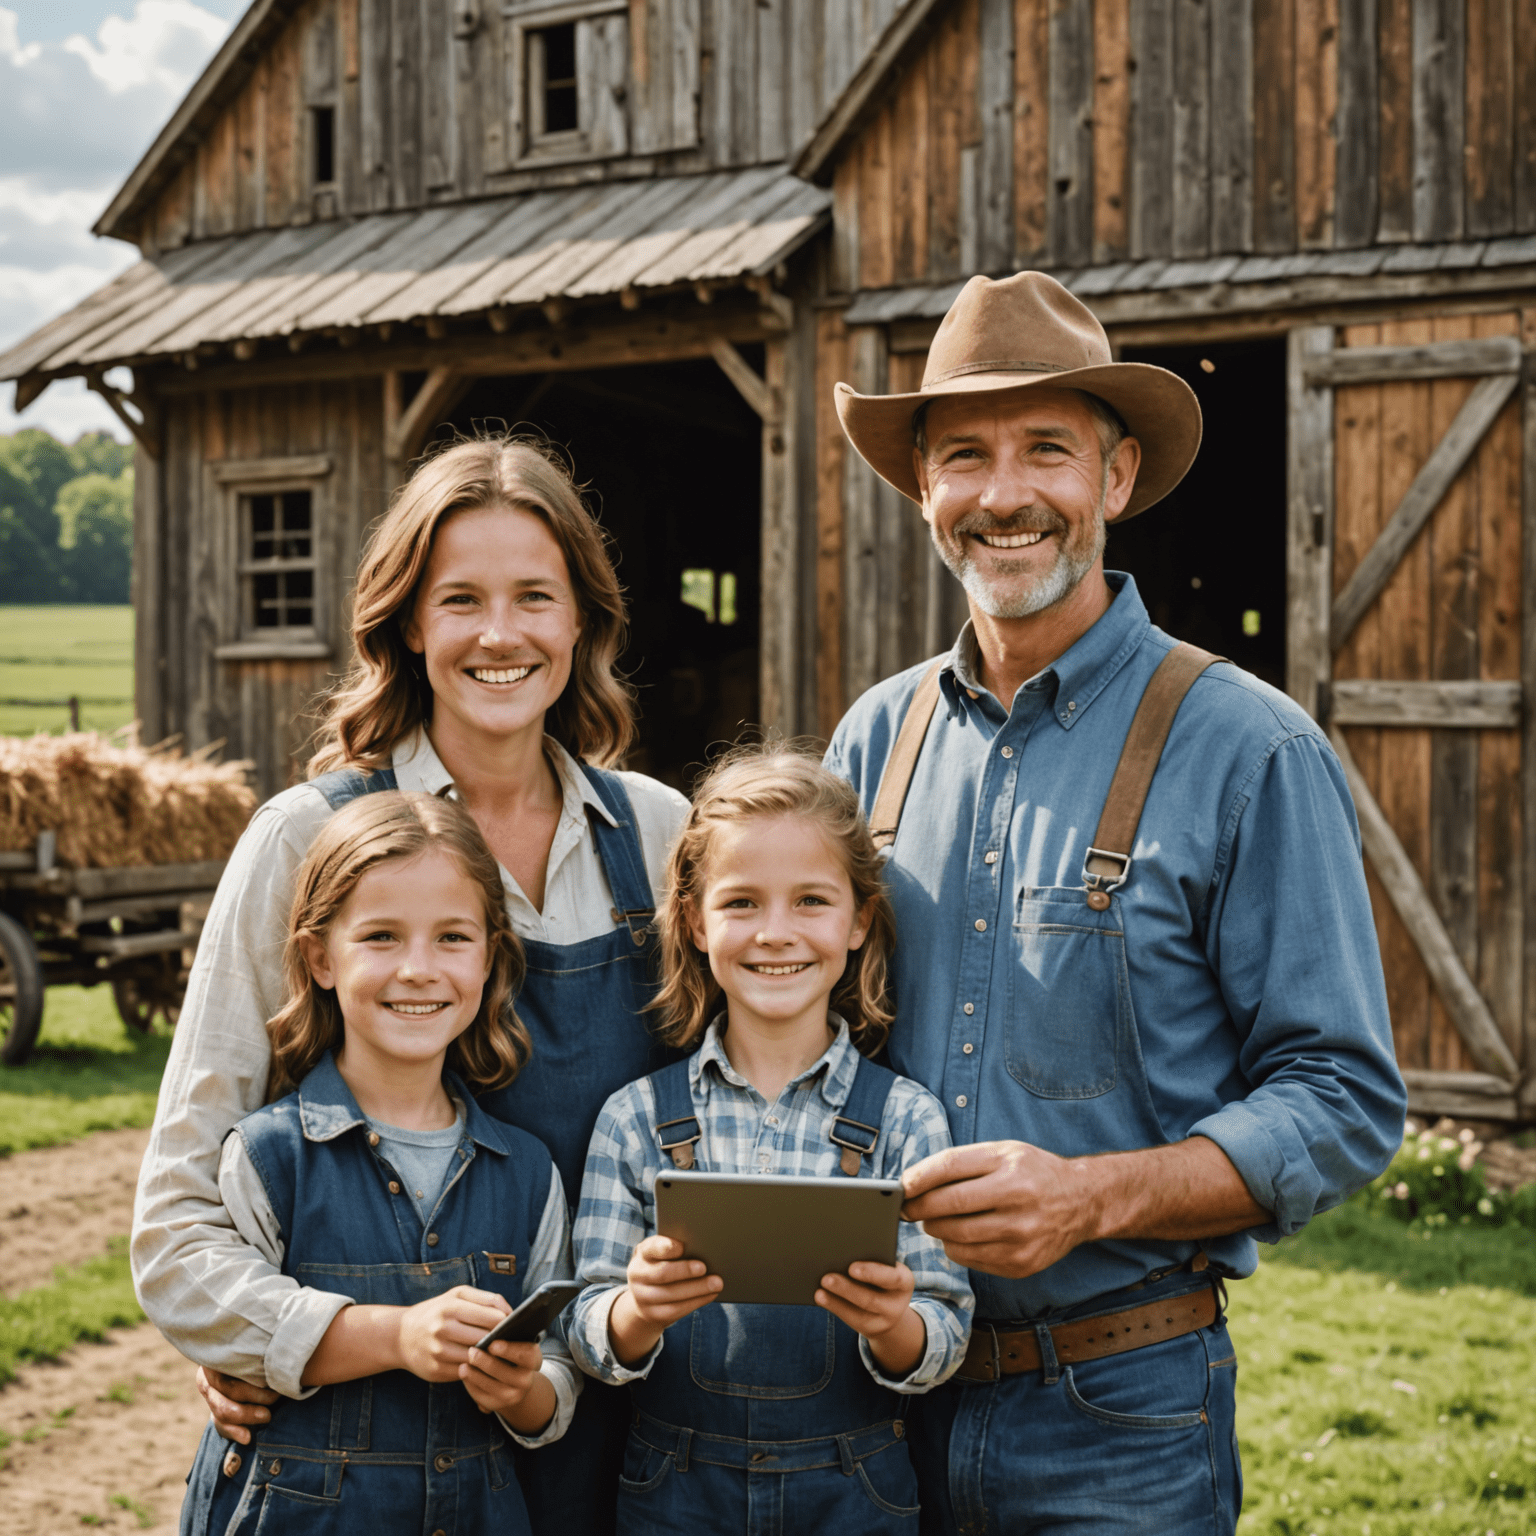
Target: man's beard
[[1074, 559]]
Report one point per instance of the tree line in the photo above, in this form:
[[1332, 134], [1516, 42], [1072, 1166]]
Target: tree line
[[66, 518]]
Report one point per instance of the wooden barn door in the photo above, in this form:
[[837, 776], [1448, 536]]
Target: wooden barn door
[[1410, 489]]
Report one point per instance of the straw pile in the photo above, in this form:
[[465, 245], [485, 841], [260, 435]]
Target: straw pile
[[114, 805]]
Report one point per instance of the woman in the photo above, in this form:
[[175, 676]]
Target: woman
[[486, 623]]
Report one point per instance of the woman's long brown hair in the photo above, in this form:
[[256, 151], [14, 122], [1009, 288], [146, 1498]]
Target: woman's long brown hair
[[385, 694], [773, 779], [370, 831]]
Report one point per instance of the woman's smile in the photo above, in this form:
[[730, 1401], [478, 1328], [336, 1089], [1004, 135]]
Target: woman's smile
[[499, 676]]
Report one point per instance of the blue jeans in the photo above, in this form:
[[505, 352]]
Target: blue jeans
[[1140, 1442]]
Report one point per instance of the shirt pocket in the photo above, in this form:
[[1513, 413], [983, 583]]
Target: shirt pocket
[[1068, 994]]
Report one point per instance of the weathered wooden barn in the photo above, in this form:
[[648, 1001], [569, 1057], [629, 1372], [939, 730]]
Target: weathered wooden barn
[[661, 229]]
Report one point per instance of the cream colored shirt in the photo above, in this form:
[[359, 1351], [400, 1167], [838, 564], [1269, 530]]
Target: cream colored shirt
[[209, 1290]]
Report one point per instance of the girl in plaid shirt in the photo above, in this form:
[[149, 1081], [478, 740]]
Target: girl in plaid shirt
[[768, 1418]]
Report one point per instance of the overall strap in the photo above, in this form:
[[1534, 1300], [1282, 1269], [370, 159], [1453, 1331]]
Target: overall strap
[[885, 818], [677, 1126], [1107, 864], [857, 1128], [622, 858], [348, 784]]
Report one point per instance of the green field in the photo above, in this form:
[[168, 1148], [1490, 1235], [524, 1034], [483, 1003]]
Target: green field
[[49, 653], [90, 1072]]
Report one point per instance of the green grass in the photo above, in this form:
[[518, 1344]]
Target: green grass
[[50, 652], [90, 1072], [80, 1303], [1366, 1407]]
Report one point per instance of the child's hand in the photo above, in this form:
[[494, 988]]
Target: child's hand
[[663, 1287], [506, 1380], [876, 1300], [435, 1336]]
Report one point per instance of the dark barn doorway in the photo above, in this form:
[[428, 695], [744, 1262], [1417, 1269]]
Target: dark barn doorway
[[1210, 560], [671, 458]]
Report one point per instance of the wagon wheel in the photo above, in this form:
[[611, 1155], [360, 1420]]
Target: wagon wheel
[[21, 992], [147, 995]]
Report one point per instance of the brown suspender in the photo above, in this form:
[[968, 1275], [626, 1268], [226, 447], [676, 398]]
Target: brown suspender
[[897, 778], [1108, 861]]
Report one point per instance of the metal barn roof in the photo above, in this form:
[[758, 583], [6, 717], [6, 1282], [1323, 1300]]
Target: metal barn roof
[[570, 244]]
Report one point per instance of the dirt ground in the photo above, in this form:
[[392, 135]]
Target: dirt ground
[[104, 1436]]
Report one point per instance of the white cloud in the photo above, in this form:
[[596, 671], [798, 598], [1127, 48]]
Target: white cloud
[[75, 116], [164, 45]]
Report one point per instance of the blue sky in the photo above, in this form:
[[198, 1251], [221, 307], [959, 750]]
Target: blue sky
[[84, 87]]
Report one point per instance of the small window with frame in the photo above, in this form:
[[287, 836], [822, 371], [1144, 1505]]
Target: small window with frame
[[273, 581], [569, 79], [277, 567]]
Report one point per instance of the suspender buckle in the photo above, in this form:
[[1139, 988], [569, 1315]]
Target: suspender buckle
[[858, 1147], [680, 1148], [1099, 880], [640, 921]]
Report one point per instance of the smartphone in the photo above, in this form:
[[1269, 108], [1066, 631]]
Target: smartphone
[[534, 1314]]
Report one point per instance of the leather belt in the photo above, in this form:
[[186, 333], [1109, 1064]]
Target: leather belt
[[992, 1354]]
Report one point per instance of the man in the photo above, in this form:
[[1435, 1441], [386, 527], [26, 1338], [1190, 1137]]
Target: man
[[1152, 1054]]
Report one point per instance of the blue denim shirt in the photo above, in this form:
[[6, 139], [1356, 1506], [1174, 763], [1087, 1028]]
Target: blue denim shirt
[[1232, 990]]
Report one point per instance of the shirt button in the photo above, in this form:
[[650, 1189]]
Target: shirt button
[[991, 856], [773, 1119], [1007, 751], [1073, 704], [442, 1462], [961, 1101], [967, 1049], [373, 1138], [431, 1239], [970, 1008], [394, 1186], [981, 925]]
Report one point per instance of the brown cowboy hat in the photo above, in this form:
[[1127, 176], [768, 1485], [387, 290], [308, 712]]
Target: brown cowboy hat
[[1017, 332]]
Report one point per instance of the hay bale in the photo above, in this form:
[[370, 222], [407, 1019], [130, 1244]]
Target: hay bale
[[118, 804]]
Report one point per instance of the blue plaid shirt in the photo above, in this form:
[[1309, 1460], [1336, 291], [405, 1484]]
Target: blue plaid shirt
[[743, 1133]]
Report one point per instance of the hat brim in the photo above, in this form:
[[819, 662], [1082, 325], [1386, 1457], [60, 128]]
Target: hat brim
[[1159, 409]]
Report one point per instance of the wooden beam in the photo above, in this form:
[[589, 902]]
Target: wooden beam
[[303, 466], [609, 344], [1528, 673], [1463, 1002], [1472, 706], [754, 390], [1483, 405], [406, 432], [28, 388], [1434, 360], [145, 427], [778, 659], [1467, 1095], [1309, 518], [842, 117]]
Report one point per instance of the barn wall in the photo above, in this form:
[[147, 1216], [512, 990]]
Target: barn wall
[[1065, 133], [258, 708], [424, 108]]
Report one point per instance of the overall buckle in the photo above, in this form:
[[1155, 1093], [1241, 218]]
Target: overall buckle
[[1098, 885]]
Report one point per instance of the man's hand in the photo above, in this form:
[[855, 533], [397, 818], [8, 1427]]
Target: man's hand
[[1002, 1207], [234, 1404], [663, 1287], [1007, 1208]]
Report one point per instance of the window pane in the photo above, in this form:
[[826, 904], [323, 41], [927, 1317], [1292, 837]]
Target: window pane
[[265, 589], [296, 513], [559, 83]]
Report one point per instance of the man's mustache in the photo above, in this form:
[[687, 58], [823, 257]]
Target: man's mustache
[[977, 523]]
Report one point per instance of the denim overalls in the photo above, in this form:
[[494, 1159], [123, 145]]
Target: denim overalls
[[584, 1008], [764, 1419], [388, 1452]]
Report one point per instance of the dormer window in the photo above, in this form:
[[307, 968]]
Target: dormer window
[[570, 78], [552, 80], [323, 139]]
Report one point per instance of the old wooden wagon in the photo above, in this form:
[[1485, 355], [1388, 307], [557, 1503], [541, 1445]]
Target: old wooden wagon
[[662, 228]]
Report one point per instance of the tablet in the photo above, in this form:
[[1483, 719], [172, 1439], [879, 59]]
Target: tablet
[[771, 1238]]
